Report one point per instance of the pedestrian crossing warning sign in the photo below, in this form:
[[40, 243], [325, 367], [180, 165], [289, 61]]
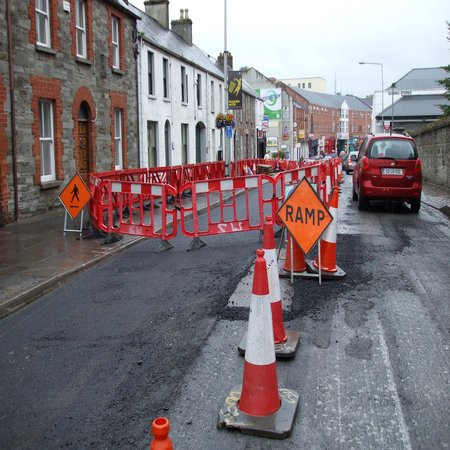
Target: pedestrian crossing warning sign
[[75, 196]]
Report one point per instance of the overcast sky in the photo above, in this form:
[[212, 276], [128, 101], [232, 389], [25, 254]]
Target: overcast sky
[[324, 38]]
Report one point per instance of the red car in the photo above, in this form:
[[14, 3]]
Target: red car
[[388, 168]]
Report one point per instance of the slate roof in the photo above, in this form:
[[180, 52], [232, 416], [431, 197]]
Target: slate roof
[[422, 79], [172, 43], [417, 106], [332, 101]]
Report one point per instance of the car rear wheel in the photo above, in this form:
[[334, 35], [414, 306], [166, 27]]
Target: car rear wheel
[[415, 205], [362, 201]]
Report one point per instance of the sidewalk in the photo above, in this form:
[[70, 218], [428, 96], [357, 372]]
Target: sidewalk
[[35, 255]]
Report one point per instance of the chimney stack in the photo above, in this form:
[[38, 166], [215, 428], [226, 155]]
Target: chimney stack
[[183, 26], [158, 10], [221, 60]]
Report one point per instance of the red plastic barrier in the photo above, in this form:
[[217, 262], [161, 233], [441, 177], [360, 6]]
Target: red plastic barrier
[[139, 209], [225, 217], [313, 172]]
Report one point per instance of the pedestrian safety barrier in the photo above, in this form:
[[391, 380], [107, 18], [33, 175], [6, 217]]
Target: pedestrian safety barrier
[[150, 202]]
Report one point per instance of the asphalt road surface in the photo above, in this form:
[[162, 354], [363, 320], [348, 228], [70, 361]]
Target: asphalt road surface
[[147, 334]]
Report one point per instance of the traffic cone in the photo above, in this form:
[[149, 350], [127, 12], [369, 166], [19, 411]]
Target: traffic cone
[[328, 244], [285, 342], [298, 257], [160, 430], [258, 406]]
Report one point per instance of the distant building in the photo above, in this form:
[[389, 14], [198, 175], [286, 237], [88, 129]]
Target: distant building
[[314, 84], [413, 100]]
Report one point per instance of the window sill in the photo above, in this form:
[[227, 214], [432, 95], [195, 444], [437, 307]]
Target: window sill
[[42, 49], [81, 60], [118, 72], [166, 99], [184, 104], [152, 97], [50, 185]]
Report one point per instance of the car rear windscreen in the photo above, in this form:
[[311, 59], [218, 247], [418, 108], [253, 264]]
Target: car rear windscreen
[[391, 148]]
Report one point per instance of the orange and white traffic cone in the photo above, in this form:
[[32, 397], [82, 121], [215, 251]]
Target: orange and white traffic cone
[[298, 257], [248, 405], [160, 430], [328, 245], [286, 343]]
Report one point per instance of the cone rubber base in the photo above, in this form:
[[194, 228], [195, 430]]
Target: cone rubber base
[[285, 350], [277, 426], [313, 269], [283, 274]]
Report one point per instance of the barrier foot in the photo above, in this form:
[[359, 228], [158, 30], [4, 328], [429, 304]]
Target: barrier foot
[[164, 245], [277, 425], [196, 243], [284, 350], [339, 273], [110, 239]]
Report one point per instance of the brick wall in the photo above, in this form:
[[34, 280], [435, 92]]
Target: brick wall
[[433, 142]]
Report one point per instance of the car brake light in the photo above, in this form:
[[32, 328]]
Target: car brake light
[[418, 166], [365, 163]]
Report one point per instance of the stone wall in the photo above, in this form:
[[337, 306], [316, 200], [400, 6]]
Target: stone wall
[[57, 74], [433, 142]]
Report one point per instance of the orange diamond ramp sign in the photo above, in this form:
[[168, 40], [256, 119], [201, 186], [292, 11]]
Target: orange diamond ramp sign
[[75, 196], [305, 216]]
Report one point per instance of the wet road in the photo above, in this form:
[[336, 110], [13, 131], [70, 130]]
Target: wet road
[[145, 334]]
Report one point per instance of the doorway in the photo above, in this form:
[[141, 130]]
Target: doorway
[[84, 167]]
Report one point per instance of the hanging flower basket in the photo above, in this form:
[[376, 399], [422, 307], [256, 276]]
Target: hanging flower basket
[[223, 120]]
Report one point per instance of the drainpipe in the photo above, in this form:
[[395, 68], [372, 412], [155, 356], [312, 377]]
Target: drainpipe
[[13, 110]]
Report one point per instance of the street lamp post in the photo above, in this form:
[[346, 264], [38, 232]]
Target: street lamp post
[[382, 87], [392, 106]]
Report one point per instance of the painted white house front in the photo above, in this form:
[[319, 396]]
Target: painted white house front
[[181, 92]]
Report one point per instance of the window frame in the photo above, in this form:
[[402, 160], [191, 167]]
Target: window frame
[[118, 138], [166, 79], [47, 23], [50, 127], [115, 44], [199, 90], [151, 73], [184, 86], [81, 28]]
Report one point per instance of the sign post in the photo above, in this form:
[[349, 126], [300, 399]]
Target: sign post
[[304, 215]]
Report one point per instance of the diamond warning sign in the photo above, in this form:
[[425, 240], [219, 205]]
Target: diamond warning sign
[[75, 196], [304, 215]]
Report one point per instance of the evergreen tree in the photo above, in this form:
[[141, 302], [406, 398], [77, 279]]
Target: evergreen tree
[[446, 83]]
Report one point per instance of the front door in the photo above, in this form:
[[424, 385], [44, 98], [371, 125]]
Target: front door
[[83, 145]]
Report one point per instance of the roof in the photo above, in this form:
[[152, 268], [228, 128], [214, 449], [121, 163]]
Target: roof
[[422, 79], [170, 42], [417, 106], [124, 6], [332, 101]]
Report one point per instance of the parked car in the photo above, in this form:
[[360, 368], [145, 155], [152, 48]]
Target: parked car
[[351, 160], [388, 168]]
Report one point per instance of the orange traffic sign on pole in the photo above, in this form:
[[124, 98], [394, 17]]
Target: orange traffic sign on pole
[[304, 215], [75, 196]]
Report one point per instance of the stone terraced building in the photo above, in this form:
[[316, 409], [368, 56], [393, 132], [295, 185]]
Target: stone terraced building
[[68, 100]]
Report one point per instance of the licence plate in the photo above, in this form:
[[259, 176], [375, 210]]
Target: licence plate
[[389, 171]]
